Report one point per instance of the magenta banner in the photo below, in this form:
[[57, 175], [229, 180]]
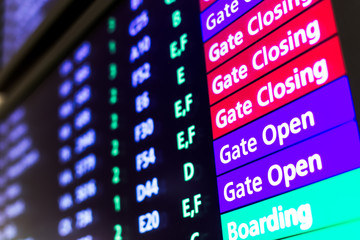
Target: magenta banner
[[319, 111], [319, 158]]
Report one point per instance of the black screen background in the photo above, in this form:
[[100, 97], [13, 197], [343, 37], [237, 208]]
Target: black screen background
[[40, 182]]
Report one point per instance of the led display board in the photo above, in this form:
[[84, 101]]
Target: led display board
[[227, 119], [276, 79], [20, 20]]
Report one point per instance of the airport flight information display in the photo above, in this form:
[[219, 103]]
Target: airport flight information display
[[227, 119], [20, 20]]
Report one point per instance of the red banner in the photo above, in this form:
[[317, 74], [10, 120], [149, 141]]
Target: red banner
[[205, 3], [248, 29], [299, 77], [297, 36]]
